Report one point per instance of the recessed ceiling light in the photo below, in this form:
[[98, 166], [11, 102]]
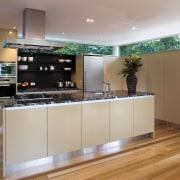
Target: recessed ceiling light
[[89, 20], [63, 33], [14, 27], [134, 28]]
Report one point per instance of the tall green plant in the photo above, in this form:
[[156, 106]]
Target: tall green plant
[[132, 64]]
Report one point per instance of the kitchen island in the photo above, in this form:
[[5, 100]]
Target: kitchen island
[[35, 128]]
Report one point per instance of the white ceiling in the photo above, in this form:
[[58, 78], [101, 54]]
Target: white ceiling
[[113, 19]]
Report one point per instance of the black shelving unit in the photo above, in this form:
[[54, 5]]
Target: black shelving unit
[[39, 69]]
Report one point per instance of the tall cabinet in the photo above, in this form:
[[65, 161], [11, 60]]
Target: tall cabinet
[[112, 65], [172, 87], [152, 79]]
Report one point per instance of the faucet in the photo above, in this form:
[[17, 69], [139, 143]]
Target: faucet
[[108, 84]]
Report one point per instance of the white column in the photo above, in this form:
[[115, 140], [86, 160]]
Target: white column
[[116, 51]]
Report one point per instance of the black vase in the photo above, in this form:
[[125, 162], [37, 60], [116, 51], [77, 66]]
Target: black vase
[[131, 81]]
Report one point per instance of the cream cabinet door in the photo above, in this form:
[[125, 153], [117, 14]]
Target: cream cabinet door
[[64, 128], [95, 123], [151, 79], [157, 83], [25, 134], [143, 115], [172, 87], [121, 118], [112, 66]]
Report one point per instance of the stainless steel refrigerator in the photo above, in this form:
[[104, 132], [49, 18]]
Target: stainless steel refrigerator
[[93, 73]]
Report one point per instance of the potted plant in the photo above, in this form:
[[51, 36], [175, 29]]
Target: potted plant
[[132, 64]]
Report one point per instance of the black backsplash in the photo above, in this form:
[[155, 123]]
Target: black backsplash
[[45, 78]]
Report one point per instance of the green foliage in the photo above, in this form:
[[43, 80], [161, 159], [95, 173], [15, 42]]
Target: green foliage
[[72, 48], [132, 64], [163, 44]]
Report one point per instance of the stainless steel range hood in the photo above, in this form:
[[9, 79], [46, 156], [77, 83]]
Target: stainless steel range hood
[[32, 44], [33, 33]]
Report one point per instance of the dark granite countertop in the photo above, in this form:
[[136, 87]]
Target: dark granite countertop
[[29, 99], [46, 90]]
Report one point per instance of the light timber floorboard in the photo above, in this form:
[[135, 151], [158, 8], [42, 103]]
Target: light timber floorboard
[[145, 159]]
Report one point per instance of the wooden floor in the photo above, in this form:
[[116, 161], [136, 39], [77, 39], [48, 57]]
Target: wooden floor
[[146, 159]]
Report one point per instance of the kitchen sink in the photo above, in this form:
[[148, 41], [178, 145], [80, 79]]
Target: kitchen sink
[[98, 92], [103, 94]]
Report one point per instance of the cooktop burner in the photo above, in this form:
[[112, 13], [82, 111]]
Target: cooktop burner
[[31, 97]]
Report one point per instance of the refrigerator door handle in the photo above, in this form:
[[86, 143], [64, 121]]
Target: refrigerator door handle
[[85, 86]]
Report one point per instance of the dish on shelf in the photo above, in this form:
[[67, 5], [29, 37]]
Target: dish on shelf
[[67, 69], [30, 59], [22, 67], [19, 58], [68, 60], [61, 60], [51, 68], [24, 59]]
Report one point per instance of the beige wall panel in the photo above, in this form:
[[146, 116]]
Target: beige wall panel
[[112, 65], [7, 54], [77, 76], [172, 86]]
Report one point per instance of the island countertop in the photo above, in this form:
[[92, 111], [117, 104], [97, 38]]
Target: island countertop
[[48, 98], [39, 126]]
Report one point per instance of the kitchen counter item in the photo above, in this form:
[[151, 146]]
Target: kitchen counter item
[[60, 84], [24, 59], [30, 59], [67, 69], [61, 60], [19, 58], [51, 68], [23, 67], [68, 60], [40, 68], [24, 85]]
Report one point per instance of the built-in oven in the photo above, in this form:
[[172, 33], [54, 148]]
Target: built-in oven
[[7, 79], [7, 69], [7, 87]]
